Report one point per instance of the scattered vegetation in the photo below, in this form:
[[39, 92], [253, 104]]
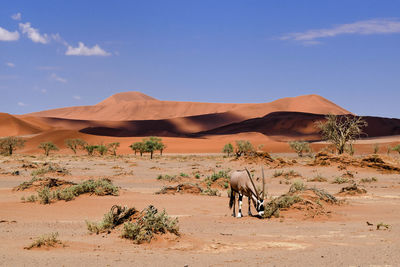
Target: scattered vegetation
[[286, 175], [376, 148], [49, 240], [50, 168], [300, 147], [369, 180], [116, 216], [149, 145], [47, 147], [396, 148], [9, 144], [75, 144], [318, 178], [382, 225], [113, 148], [243, 147], [149, 223], [309, 199], [168, 178], [340, 180], [228, 149], [353, 189], [340, 130], [99, 187], [221, 177]]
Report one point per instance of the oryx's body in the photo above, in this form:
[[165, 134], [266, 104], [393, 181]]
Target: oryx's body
[[242, 184]]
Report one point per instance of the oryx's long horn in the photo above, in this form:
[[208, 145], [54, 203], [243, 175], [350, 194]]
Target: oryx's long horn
[[251, 180], [263, 183]]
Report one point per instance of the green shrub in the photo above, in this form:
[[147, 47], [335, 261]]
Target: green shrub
[[368, 180], [300, 147], [210, 191], [49, 240], [297, 185], [396, 148], [228, 149], [340, 180], [75, 144], [243, 147], [318, 178], [47, 147], [169, 178], [9, 144], [44, 195], [152, 222]]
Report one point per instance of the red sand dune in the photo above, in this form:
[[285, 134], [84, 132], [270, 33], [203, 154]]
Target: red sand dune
[[184, 126], [137, 106]]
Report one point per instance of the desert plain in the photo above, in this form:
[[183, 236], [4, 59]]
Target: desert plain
[[360, 229]]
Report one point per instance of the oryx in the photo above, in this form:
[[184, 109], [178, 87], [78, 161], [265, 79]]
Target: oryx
[[242, 183]]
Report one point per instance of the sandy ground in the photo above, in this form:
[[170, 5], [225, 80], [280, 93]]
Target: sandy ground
[[210, 235]]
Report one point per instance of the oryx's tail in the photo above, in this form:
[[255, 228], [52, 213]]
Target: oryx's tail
[[232, 199]]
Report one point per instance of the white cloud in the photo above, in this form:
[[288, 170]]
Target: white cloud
[[21, 104], [364, 27], [10, 64], [8, 36], [83, 50], [77, 97], [57, 78], [16, 16], [33, 33], [57, 37]]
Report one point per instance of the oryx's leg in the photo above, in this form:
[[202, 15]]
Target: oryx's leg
[[250, 207], [240, 205], [234, 203]]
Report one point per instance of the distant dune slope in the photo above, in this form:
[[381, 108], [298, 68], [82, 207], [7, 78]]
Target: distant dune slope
[[137, 106], [284, 126], [11, 125]]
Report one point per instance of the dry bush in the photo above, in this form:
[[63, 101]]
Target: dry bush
[[116, 216], [149, 223], [49, 240]]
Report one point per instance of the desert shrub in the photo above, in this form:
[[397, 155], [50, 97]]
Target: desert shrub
[[210, 191], [216, 176], [376, 148], [152, 144], [75, 144], [300, 147], [150, 223], [277, 173], [396, 148], [9, 144], [243, 147], [340, 130], [51, 168], [166, 177], [369, 180], [182, 174], [47, 147], [99, 187], [228, 149], [383, 226], [44, 195], [340, 180], [318, 178], [90, 149], [102, 149], [113, 148], [138, 147], [49, 240], [31, 198], [297, 185], [283, 202], [102, 226]]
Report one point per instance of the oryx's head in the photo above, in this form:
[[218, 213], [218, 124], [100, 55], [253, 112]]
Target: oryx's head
[[259, 196]]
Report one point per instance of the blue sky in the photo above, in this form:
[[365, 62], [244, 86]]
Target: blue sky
[[67, 53]]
